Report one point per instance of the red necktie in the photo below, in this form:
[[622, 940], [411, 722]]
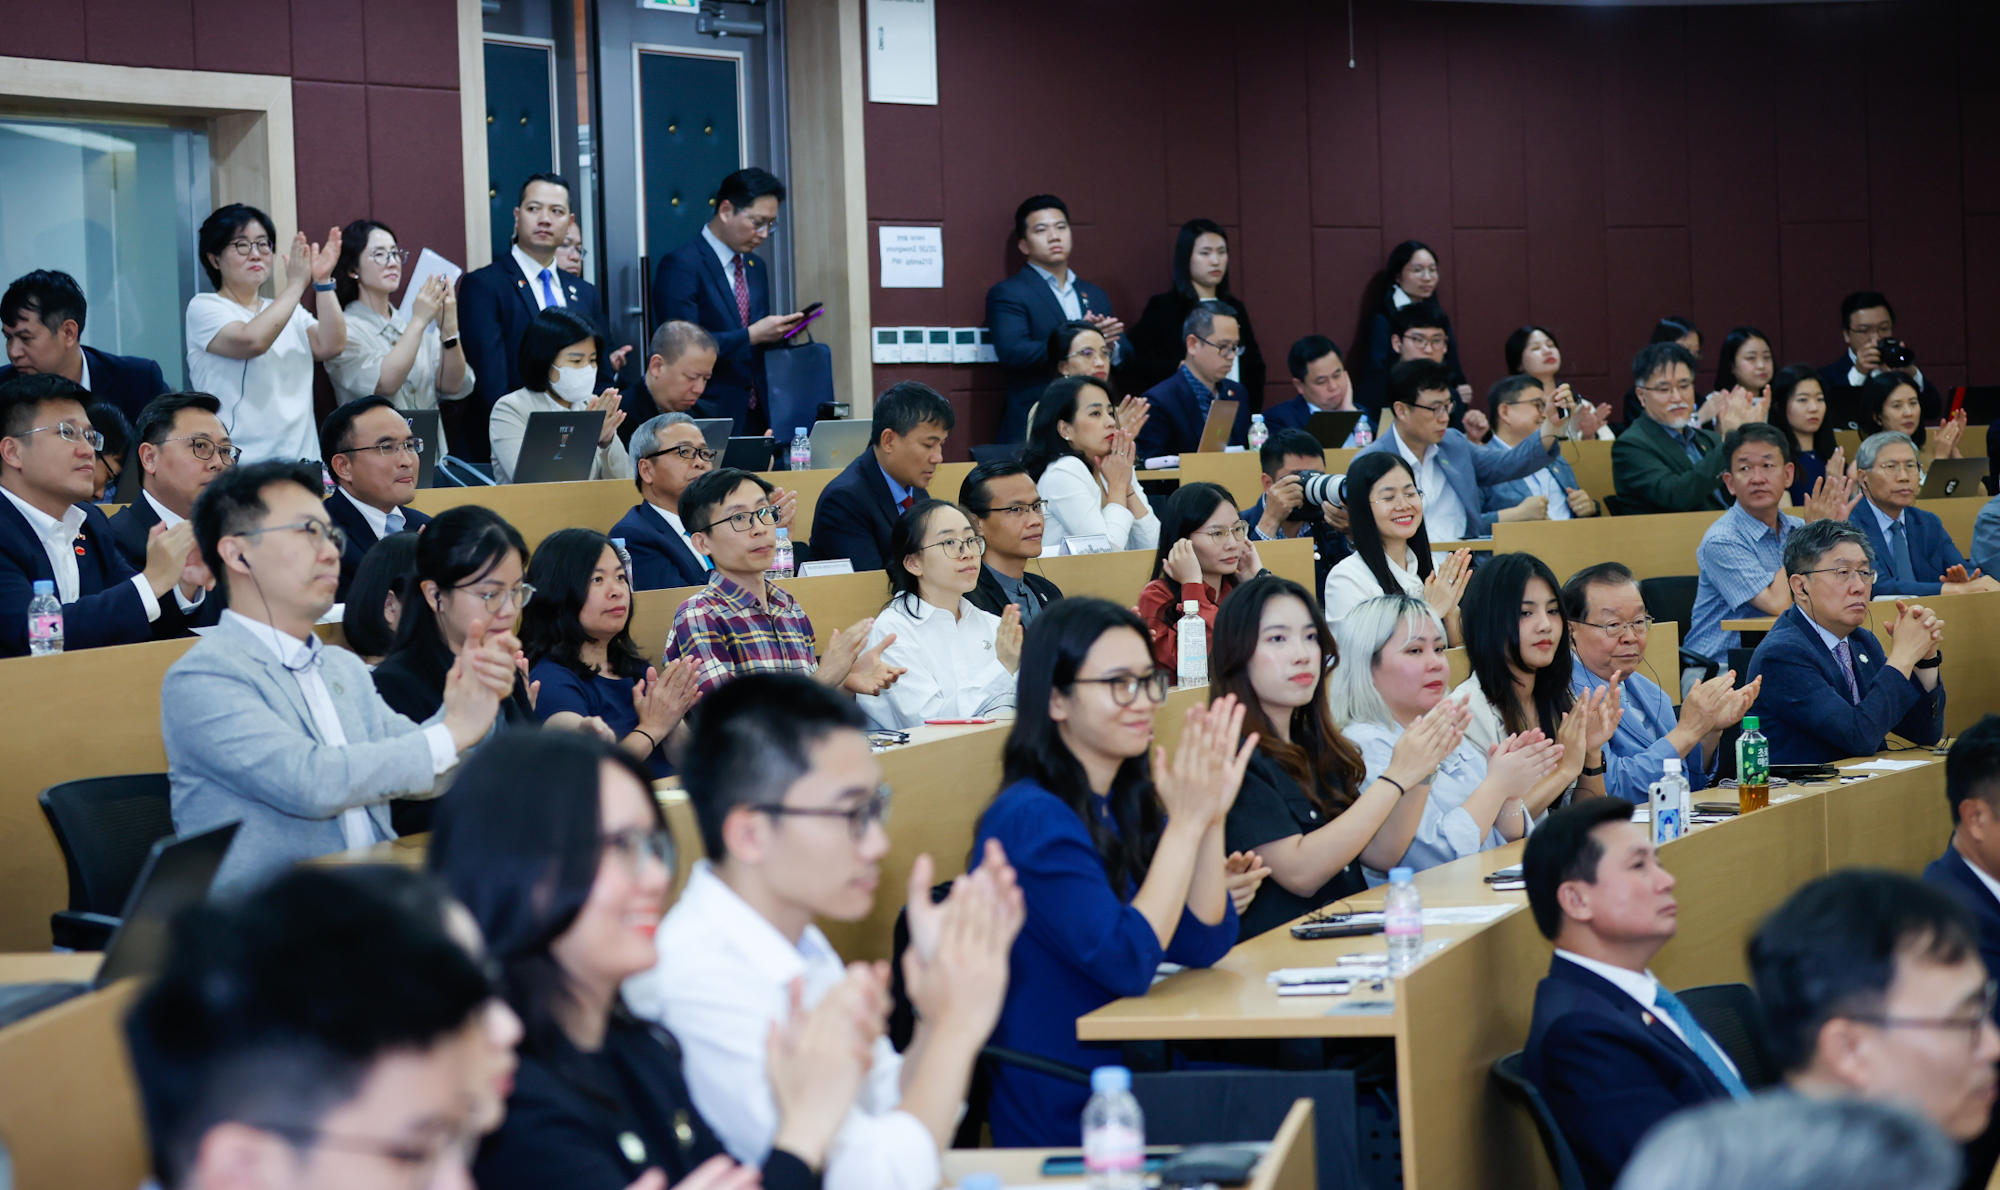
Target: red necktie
[[908, 501], [742, 292]]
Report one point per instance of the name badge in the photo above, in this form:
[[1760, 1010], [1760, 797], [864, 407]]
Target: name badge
[[829, 566], [1089, 543]]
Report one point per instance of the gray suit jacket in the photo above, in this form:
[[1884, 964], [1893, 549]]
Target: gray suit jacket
[[242, 746]]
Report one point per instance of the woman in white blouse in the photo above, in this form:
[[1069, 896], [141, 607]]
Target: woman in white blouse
[[558, 370], [254, 353], [958, 661], [415, 362], [1392, 550], [1082, 462]]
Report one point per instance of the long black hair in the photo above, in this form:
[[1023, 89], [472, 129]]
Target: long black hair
[[1192, 231], [1725, 364], [552, 625], [906, 538], [1057, 404], [459, 546], [1875, 394], [1062, 339], [1492, 612], [1185, 511], [1783, 383], [1364, 473], [388, 568], [1057, 642]]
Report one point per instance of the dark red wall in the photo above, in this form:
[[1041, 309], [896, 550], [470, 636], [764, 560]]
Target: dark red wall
[[1586, 168]]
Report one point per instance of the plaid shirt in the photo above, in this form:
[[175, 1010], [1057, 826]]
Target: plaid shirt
[[726, 632]]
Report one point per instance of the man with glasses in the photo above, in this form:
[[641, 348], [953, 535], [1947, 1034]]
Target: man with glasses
[[1010, 514], [793, 815], [670, 453], [181, 446], [371, 451], [1833, 690], [42, 315], [1662, 463], [1421, 330], [1180, 403], [1866, 319], [50, 531], [1912, 549], [1520, 405], [265, 726]]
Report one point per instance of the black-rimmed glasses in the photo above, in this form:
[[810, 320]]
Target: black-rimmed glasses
[[1971, 1024], [742, 521], [859, 818], [206, 448], [388, 450], [1228, 350], [1125, 688], [685, 452]]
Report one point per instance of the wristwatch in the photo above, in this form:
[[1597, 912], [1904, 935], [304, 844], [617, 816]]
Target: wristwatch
[[323, 287], [1595, 772], [1936, 659], [451, 343]]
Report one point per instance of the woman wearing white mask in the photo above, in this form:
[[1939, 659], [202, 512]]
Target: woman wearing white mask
[[558, 371]]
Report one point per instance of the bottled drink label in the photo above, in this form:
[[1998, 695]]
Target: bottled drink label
[[1362, 434], [1113, 1148], [1192, 652], [802, 451], [45, 633]]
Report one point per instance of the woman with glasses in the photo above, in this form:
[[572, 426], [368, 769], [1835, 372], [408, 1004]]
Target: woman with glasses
[[1119, 856], [1204, 551], [415, 361], [583, 666], [1891, 401], [558, 370], [958, 661], [1083, 464], [1079, 349], [558, 847], [1392, 549], [256, 353], [1200, 274]]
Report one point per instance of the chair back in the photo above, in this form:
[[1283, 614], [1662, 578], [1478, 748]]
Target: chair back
[[1203, 1107], [1507, 1072], [1733, 1017], [105, 827], [1670, 598]]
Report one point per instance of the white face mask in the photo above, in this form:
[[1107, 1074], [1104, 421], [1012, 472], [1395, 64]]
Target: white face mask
[[574, 384]]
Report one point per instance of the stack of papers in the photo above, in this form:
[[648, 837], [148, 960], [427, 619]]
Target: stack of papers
[[1884, 766]]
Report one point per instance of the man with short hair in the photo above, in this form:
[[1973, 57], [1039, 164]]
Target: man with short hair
[[1866, 319], [791, 804], [1915, 554], [1612, 1051], [1662, 462], [716, 282], [266, 726], [182, 445], [1281, 512], [858, 510], [1010, 514], [1322, 385], [50, 530], [670, 453], [1421, 330], [371, 451], [1026, 308], [1834, 691], [1873, 988], [42, 314], [1519, 405], [1180, 403], [679, 362], [317, 1034]]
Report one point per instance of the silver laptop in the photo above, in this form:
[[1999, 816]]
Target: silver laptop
[[838, 443], [558, 447], [716, 430]]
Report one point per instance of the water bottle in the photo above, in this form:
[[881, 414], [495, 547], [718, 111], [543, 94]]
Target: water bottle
[[1362, 434], [802, 450], [1193, 670], [624, 559], [1259, 432], [45, 623], [1114, 1132], [1669, 799], [1753, 768], [781, 557], [1403, 921]]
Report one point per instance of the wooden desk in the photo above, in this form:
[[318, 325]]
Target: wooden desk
[[1652, 546], [50, 967], [69, 1107], [1290, 1164]]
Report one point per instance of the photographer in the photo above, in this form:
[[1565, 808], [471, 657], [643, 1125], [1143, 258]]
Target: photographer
[[1868, 323], [1293, 461]]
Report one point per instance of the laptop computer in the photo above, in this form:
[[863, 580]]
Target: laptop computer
[[1954, 477], [427, 424], [1215, 432], [716, 430], [749, 454], [177, 874], [1332, 429], [558, 447], [838, 443]]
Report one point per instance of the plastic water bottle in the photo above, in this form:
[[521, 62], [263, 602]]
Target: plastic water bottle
[[1193, 633], [45, 622], [1259, 432], [1403, 921], [781, 557], [624, 559], [1668, 797], [1753, 768], [1362, 434], [1114, 1132], [802, 450]]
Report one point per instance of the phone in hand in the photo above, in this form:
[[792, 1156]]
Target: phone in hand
[[811, 312]]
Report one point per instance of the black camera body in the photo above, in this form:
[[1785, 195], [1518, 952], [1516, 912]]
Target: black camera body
[[1316, 487], [1895, 353]]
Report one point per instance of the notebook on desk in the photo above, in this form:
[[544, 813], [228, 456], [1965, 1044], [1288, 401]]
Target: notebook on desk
[[558, 447]]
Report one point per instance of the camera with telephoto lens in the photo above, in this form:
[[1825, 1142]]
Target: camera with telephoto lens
[[1315, 487], [1895, 353]]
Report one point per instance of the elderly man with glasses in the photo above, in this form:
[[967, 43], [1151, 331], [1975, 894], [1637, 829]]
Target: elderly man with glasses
[[669, 452], [372, 453], [1180, 403], [1917, 556], [1662, 462]]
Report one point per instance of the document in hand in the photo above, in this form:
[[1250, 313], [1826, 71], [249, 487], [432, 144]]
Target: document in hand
[[429, 264]]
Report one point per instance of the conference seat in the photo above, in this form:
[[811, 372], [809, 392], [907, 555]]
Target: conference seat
[[1671, 597], [105, 827], [1507, 1072], [1731, 1014]]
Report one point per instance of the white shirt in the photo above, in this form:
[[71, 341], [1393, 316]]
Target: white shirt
[[1077, 509], [58, 538], [1985, 878], [953, 672], [533, 272], [1444, 512], [1543, 483], [1350, 583], [267, 400], [1065, 290], [83, 375], [673, 520], [1856, 379], [378, 520], [722, 980], [509, 424], [356, 371], [1397, 298], [168, 516], [1643, 987]]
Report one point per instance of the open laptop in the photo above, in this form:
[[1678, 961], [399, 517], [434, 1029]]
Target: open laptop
[[176, 874], [1215, 433], [1332, 429], [838, 443], [716, 430], [427, 424], [1953, 477], [558, 447], [749, 454]]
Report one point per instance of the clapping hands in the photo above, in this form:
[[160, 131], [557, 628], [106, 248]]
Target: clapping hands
[[1207, 770]]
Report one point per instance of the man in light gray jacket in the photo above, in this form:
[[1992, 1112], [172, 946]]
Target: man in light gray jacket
[[265, 725]]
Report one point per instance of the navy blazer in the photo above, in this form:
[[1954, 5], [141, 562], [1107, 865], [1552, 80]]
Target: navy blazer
[[130, 530], [660, 559], [1932, 551], [1843, 400], [1022, 312], [1470, 466], [1951, 871], [494, 310], [127, 381], [360, 534], [1175, 424], [108, 609], [690, 285], [855, 515], [1804, 705], [1609, 1069]]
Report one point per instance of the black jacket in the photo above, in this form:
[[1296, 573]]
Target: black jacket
[[127, 381], [660, 559], [1158, 347], [129, 531], [989, 598], [856, 514], [108, 609], [411, 680], [342, 511]]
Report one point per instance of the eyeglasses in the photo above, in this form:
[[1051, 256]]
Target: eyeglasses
[[1227, 350], [315, 531], [388, 256], [759, 223], [1443, 410], [1407, 495], [1039, 508], [1092, 353], [685, 452], [1642, 626], [1540, 404], [419, 1158], [250, 247], [741, 521], [69, 433], [1971, 1024], [1888, 468], [1683, 388], [1847, 574], [1748, 469], [1427, 342], [518, 595], [634, 846], [1239, 531], [388, 450], [205, 448], [958, 547], [859, 818], [1125, 688]]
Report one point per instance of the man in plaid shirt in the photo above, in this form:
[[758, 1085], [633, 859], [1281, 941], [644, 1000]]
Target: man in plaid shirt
[[740, 623]]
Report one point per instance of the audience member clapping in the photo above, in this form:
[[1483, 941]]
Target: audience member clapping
[[1392, 547], [1084, 465]]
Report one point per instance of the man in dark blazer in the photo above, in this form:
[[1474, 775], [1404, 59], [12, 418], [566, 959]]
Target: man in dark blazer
[[1867, 318], [859, 508], [1180, 403], [1927, 562], [1831, 689], [43, 314], [1966, 870], [1662, 463], [715, 282], [668, 454], [371, 451], [1611, 1050], [1009, 513], [1322, 385], [1026, 308], [181, 446]]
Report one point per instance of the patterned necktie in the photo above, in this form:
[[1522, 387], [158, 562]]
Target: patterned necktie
[[1698, 1041], [1845, 655], [395, 522], [1899, 551], [549, 301], [742, 292]]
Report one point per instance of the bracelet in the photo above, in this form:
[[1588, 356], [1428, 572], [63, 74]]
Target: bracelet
[[1391, 780], [1936, 659], [1595, 772], [649, 739], [323, 287]]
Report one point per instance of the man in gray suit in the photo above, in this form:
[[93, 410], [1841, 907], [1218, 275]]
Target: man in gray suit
[[264, 725]]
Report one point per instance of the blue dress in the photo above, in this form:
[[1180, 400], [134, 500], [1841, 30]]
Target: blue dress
[[1082, 947], [1807, 469], [610, 699]]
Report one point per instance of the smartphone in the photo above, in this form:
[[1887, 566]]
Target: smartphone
[[811, 312], [1072, 1167], [1331, 987], [1330, 929]]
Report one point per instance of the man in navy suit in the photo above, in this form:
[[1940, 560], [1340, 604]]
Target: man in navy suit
[[50, 530], [1913, 553], [1611, 1050], [43, 314], [680, 360], [182, 447], [371, 451], [716, 282], [496, 303], [1180, 403], [1319, 374], [669, 453], [859, 508], [1867, 318], [1967, 870], [1830, 688], [1026, 308]]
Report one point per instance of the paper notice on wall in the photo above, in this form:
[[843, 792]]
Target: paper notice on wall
[[429, 264], [902, 52], [912, 257]]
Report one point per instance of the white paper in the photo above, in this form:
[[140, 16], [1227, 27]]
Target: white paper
[[902, 52], [1884, 766], [912, 257], [1466, 915], [1089, 543], [429, 264]]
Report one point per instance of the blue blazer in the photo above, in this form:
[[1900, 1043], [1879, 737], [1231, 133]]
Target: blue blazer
[[1951, 871], [127, 381], [108, 609], [129, 531], [1174, 428], [856, 514], [690, 285], [1469, 466], [1022, 312], [1609, 1069], [1804, 704], [494, 310], [1932, 551], [361, 535], [660, 559], [1986, 537], [1507, 493]]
